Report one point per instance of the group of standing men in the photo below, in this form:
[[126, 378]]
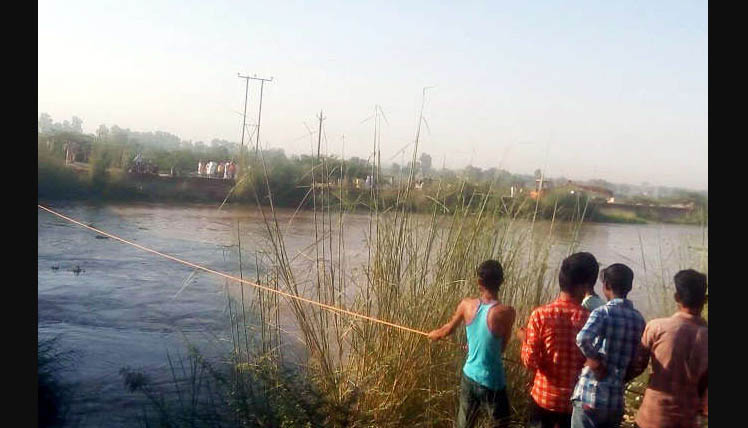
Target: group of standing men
[[583, 351], [225, 170]]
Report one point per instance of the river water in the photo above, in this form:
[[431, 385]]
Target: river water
[[129, 308]]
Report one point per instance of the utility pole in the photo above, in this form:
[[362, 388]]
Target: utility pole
[[319, 136], [259, 116], [246, 92]]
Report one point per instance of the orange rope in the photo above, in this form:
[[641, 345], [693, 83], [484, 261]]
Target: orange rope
[[233, 278], [331, 308]]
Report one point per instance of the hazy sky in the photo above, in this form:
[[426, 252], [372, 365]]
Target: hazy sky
[[612, 90]]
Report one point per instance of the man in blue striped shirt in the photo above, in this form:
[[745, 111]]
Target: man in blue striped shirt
[[609, 341]]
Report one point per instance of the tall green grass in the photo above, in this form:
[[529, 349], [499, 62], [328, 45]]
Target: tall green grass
[[203, 393], [418, 268]]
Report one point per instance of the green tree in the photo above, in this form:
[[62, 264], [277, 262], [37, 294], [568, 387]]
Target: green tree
[[425, 163], [46, 125], [76, 124], [102, 133]]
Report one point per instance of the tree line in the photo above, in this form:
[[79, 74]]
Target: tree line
[[289, 177]]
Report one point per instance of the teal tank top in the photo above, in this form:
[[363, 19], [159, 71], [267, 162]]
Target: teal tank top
[[484, 364]]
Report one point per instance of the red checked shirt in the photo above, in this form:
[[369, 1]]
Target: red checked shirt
[[551, 350]]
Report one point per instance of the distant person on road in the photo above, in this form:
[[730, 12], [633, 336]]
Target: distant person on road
[[609, 340], [489, 327], [219, 170], [678, 347], [549, 346]]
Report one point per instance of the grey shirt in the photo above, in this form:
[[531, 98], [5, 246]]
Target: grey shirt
[[592, 302]]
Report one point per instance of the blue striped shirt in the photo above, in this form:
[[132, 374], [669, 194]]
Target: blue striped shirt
[[612, 334]]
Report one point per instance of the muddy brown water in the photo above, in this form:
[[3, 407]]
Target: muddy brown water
[[126, 307]]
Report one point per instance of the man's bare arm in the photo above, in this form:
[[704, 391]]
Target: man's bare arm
[[449, 327]]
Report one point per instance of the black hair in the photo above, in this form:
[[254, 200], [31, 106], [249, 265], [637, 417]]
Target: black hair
[[491, 275], [619, 278], [579, 269], [690, 287]]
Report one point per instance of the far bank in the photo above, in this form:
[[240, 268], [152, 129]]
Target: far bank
[[57, 181]]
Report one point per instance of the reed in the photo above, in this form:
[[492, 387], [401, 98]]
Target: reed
[[418, 268]]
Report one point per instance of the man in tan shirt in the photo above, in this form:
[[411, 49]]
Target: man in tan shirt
[[678, 348]]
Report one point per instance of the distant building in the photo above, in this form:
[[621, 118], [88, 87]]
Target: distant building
[[541, 187]]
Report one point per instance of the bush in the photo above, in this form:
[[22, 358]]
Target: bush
[[100, 161], [56, 181], [254, 393]]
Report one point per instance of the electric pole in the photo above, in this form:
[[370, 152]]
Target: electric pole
[[246, 92], [259, 115], [319, 136]]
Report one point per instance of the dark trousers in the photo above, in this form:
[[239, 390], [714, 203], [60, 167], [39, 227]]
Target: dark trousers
[[473, 396], [543, 418]]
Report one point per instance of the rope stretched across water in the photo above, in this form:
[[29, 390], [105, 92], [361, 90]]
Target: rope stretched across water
[[331, 308], [240, 280], [254, 284]]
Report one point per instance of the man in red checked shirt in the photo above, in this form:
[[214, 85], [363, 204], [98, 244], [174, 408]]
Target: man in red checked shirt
[[549, 345]]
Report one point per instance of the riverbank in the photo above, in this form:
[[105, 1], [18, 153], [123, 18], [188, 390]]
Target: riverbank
[[57, 181]]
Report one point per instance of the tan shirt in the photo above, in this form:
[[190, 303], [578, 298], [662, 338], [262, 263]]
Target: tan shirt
[[678, 347]]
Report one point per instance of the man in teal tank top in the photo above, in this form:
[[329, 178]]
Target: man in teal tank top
[[489, 327]]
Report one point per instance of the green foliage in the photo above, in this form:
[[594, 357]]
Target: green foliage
[[566, 205], [388, 377], [55, 181], [615, 216], [100, 161], [260, 394]]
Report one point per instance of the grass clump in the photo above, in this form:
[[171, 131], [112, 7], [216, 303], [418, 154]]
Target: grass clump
[[259, 393], [418, 268]]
